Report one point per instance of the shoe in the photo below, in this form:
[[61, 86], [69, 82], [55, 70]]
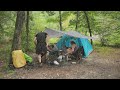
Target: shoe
[[56, 63]]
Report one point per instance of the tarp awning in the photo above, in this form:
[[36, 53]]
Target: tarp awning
[[57, 33], [54, 33]]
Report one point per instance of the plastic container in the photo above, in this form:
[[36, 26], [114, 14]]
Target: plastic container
[[73, 62]]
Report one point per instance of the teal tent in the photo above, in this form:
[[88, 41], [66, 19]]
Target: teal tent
[[65, 41]]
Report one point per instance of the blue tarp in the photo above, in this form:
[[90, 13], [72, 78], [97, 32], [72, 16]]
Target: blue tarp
[[65, 41]]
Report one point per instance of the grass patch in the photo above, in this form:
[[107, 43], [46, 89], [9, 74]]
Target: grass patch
[[103, 50]]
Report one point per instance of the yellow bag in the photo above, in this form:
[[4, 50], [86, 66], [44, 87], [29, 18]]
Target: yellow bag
[[18, 58]]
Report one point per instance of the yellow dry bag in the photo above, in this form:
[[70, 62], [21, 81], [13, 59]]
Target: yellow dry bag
[[18, 58]]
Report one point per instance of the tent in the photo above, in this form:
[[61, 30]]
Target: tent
[[78, 38], [65, 41]]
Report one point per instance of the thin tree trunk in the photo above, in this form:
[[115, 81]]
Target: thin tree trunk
[[16, 45], [60, 20], [27, 31], [77, 15], [88, 23]]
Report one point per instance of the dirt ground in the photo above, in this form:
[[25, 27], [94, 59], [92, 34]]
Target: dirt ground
[[97, 66]]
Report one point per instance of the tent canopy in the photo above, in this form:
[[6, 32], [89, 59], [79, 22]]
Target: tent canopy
[[57, 33]]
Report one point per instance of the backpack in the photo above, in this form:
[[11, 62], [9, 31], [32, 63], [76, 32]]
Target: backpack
[[18, 58]]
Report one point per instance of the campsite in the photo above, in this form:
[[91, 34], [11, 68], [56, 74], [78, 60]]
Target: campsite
[[26, 35]]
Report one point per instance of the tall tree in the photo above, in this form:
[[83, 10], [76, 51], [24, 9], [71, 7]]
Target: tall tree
[[88, 23], [77, 15], [16, 45], [60, 20], [27, 31]]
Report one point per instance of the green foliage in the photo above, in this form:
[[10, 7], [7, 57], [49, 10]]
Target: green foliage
[[7, 25], [105, 24], [107, 27], [53, 40], [50, 13]]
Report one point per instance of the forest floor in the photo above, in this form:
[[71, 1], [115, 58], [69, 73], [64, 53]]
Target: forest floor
[[102, 63]]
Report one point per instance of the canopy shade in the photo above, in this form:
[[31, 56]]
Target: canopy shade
[[57, 33]]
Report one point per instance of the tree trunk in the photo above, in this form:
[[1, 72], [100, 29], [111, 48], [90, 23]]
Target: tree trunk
[[27, 31], [88, 23], [77, 15], [60, 20], [16, 45]]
